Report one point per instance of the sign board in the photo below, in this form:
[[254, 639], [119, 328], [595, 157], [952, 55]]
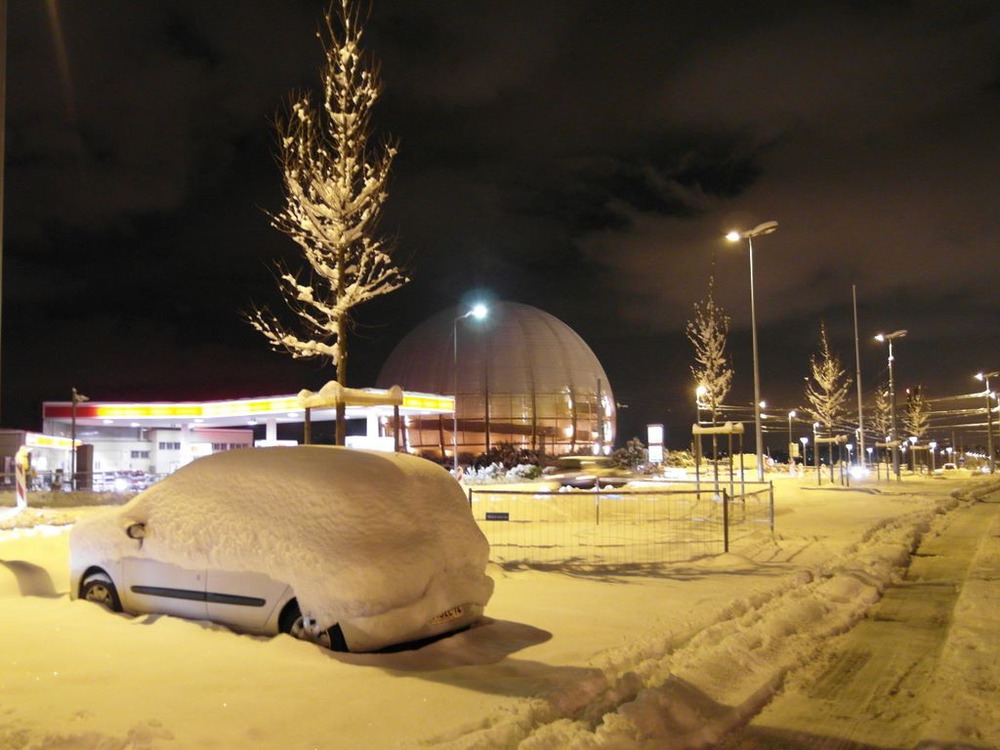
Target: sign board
[[496, 515]]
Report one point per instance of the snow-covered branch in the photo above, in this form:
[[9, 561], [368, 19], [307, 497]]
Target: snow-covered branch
[[336, 185]]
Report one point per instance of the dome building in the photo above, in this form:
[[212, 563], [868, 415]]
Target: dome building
[[519, 376]]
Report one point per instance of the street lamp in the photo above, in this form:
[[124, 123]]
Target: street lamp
[[889, 338], [985, 376], [791, 414], [735, 236], [478, 312], [699, 399], [77, 398]]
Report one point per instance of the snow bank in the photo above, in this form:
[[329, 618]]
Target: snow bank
[[677, 656], [692, 695], [355, 533]]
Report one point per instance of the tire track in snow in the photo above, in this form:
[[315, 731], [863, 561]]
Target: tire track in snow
[[878, 685], [691, 692]]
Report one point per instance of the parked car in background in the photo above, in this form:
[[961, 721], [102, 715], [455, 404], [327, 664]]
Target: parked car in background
[[355, 550], [952, 470], [586, 472]]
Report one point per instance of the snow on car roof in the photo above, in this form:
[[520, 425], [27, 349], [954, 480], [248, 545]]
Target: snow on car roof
[[355, 533]]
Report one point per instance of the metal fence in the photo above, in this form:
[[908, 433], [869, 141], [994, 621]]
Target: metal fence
[[619, 526]]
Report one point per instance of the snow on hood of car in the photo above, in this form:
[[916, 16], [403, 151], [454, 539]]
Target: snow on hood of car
[[355, 533]]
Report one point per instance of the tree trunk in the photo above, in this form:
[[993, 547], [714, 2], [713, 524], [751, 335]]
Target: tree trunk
[[341, 431]]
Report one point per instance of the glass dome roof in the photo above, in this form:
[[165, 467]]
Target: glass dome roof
[[520, 375]]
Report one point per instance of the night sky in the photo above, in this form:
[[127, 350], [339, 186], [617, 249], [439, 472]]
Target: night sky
[[582, 156]]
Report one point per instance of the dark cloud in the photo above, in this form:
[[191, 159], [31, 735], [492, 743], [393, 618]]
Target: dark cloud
[[581, 156]]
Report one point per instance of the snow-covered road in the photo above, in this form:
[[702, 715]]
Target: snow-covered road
[[870, 618], [888, 682]]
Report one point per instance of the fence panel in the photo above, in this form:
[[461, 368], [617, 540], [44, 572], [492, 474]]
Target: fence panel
[[614, 527]]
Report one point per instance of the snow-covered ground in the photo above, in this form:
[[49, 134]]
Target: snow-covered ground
[[872, 617]]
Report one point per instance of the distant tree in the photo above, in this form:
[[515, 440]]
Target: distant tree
[[917, 415], [828, 389], [335, 187], [707, 333]]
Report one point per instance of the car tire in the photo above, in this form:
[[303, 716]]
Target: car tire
[[98, 588], [291, 622]]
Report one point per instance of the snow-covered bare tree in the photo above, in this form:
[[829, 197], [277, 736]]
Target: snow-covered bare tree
[[917, 415], [335, 184], [711, 370], [828, 389]]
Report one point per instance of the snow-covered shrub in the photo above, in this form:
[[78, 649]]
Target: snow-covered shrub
[[632, 456], [506, 454], [679, 459], [522, 472]]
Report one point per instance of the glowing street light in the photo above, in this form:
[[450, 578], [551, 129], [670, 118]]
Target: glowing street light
[[478, 311], [735, 236], [889, 338], [699, 399], [985, 376]]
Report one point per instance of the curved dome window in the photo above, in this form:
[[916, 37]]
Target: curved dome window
[[519, 376]]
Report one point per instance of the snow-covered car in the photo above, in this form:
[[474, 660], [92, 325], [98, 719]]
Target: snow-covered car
[[587, 472], [355, 550], [952, 470]]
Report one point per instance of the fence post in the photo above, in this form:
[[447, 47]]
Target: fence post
[[597, 502], [771, 502], [470, 498], [725, 521]]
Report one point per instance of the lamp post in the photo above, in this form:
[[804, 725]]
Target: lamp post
[[478, 312], [791, 414], [735, 236], [985, 376], [77, 398], [805, 441], [889, 338]]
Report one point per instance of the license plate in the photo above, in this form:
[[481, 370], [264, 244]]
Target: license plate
[[452, 614]]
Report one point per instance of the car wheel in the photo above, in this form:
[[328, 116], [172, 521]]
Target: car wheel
[[293, 623], [100, 590]]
